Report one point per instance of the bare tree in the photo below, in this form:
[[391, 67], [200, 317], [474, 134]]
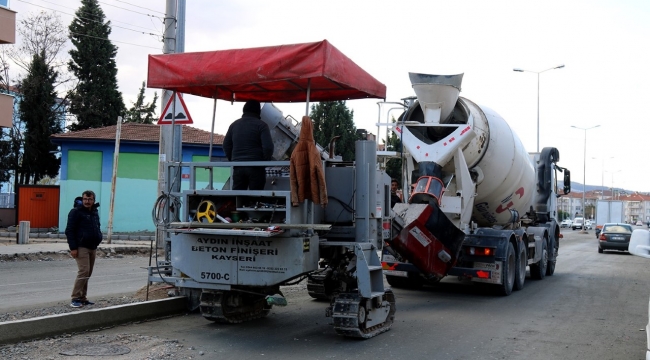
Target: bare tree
[[40, 33]]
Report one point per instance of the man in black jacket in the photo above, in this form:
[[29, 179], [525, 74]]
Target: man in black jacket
[[84, 235], [249, 139]]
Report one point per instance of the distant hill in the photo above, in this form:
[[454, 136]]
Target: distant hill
[[578, 187]]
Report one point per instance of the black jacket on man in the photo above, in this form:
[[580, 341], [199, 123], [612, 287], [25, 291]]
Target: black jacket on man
[[248, 139], [83, 228]]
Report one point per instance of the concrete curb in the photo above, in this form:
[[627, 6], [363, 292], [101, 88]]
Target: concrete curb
[[29, 329]]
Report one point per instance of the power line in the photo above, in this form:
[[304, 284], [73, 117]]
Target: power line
[[140, 7], [122, 42], [86, 12], [97, 21], [137, 12]]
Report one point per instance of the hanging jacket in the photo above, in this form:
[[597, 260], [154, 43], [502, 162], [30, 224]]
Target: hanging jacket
[[306, 171], [83, 228]]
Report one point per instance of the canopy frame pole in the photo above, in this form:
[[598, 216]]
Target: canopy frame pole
[[214, 114], [169, 189], [308, 95]]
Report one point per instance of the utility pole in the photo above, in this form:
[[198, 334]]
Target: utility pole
[[170, 136]]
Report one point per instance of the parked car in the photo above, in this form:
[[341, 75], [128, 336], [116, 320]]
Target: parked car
[[597, 231], [566, 223], [577, 223], [640, 246], [639, 223], [614, 236], [588, 225]]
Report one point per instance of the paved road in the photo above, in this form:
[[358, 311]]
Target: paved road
[[592, 308], [25, 284]]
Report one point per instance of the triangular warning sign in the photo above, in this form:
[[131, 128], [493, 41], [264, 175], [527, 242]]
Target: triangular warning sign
[[182, 116]]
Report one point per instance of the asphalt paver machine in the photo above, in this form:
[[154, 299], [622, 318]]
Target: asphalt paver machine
[[234, 249]]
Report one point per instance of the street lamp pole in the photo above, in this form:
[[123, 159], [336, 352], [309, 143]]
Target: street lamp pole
[[538, 72], [584, 175], [602, 176], [614, 172]]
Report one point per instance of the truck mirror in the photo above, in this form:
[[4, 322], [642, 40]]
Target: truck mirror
[[567, 181]]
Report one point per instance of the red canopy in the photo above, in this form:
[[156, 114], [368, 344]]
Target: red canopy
[[267, 74]]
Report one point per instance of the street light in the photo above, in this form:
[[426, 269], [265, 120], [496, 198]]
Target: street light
[[613, 172], [538, 72], [584, 175], [602, 176]]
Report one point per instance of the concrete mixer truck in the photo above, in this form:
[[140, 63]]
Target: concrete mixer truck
[[482, 208]]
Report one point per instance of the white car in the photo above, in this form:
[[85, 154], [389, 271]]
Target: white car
[[566, 223], [640, 246], [588, 225], [577, 223]]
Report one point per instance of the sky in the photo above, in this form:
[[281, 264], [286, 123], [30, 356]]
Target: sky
[[603, 45]]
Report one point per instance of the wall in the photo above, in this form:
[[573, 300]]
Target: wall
[[7, 217], [88, 165], [6, 110]]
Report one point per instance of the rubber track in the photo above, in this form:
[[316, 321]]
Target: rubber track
[[346, 320], [212, 309], [316, 286]]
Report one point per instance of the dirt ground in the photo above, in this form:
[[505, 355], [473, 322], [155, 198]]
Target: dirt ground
[[88, 346]]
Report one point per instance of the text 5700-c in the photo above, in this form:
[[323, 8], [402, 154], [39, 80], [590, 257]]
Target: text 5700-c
[[214, 276]]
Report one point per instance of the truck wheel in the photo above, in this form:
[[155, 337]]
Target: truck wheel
[[508, 272], [520, 270], [413, 281], [538, 270], [550, 268]]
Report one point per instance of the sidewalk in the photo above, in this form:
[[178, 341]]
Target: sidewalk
[[54, 243]]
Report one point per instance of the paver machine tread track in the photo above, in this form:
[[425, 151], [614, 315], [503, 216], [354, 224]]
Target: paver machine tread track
[[233, 307], [351, 317]]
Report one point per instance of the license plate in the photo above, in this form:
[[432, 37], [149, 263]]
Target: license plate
[[619, 238], [396, 273], [494, 268]]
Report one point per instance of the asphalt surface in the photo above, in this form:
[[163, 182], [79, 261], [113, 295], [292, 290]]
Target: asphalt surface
[[594, 307], [26, 284]]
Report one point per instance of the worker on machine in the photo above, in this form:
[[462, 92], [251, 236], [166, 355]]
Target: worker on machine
[[395, 193], [249, 139]]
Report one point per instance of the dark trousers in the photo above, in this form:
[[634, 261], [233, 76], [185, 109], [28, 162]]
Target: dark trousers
[[85, 263], [248, 178]]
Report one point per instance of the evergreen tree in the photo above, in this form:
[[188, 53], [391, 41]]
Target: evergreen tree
[[333, 118], [37, 111], [96, 101], [140, 112]]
